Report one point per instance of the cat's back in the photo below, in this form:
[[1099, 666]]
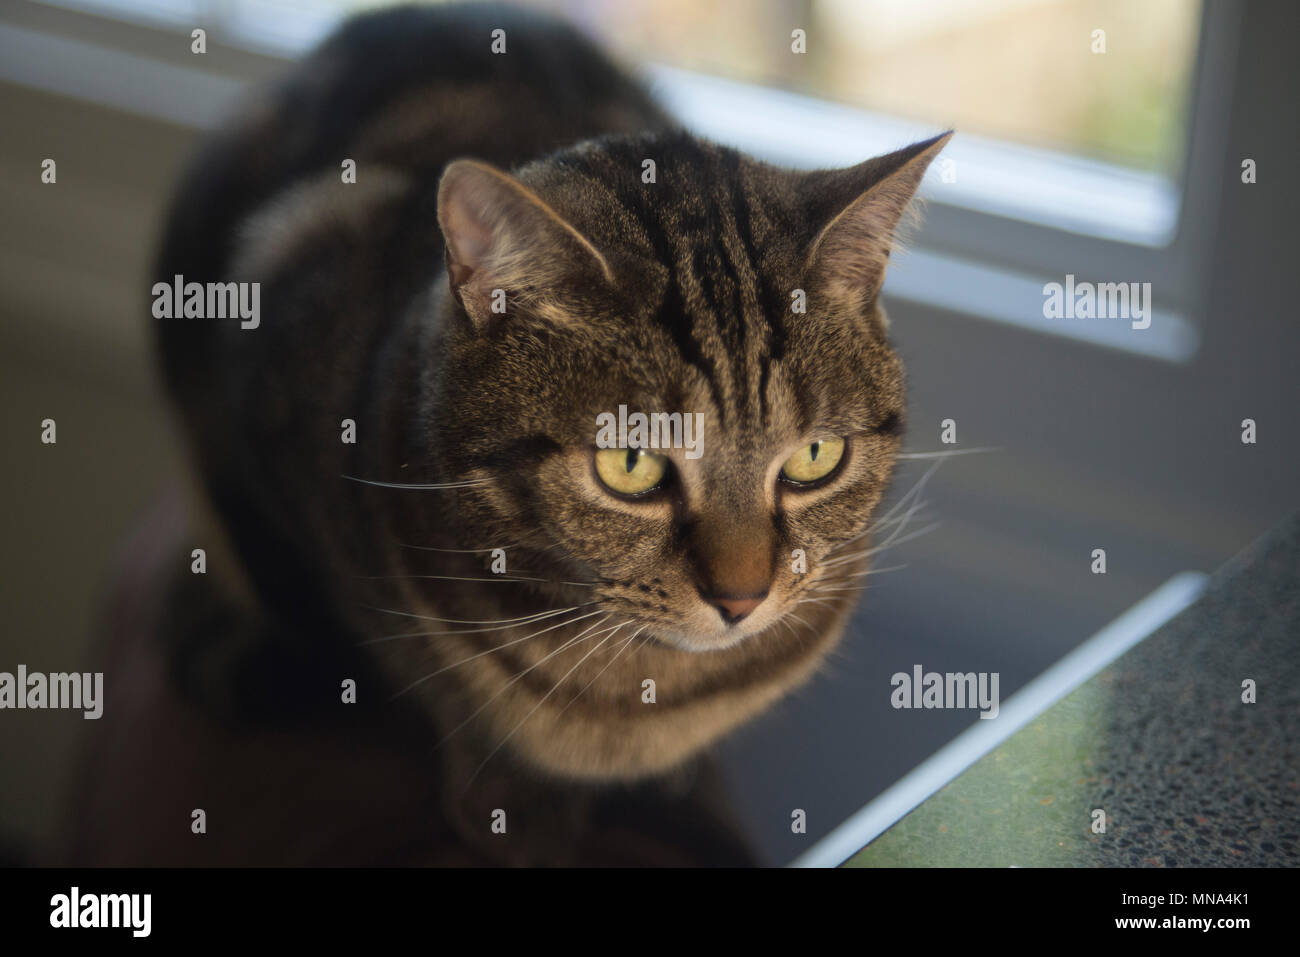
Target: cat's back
[[414, 87], [398, 91]]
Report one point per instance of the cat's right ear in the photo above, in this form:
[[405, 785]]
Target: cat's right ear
[[506, 247], [862, 207]]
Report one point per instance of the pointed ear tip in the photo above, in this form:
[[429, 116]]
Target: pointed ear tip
[[464, 168], [936, 143], [452, 175], [463, 185], [456, 167]]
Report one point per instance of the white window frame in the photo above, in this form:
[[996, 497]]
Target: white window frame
[[1015, 219]]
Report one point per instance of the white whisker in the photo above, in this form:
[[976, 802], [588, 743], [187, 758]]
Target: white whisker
[[790, 614], [947, 454], [817, 601], [493, 650], [469, 631], [457, 551], [411, 485], [466, 621], [555, 687], [862, 574], [460, 578], [891, 542], [500, 691], [622, 648]]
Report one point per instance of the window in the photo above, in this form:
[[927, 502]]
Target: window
[[1045, 179]]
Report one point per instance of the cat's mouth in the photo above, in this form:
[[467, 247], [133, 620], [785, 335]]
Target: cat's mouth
[[709, 622], [770, 619]]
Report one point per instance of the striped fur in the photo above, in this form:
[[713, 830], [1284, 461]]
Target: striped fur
[[670, 296]]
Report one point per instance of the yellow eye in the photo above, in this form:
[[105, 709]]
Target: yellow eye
[[813, 462], [630, 471]]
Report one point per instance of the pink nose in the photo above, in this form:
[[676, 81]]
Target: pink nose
[[734, 609]]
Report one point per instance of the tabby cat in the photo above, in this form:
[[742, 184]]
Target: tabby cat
[[401, 457]]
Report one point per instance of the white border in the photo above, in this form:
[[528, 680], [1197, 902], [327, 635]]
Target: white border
[[1036, 697]]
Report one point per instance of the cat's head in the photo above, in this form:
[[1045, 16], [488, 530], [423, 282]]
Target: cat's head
[[665, 276]]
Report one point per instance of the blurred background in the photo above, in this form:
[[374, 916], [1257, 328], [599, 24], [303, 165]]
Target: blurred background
[[1098, 138]]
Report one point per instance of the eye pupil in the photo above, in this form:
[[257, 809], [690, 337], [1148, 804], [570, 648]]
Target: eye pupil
[[631, 471], [814, 462]]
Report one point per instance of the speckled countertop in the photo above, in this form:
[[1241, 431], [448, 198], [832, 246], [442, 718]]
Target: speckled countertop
[[1188, 775]]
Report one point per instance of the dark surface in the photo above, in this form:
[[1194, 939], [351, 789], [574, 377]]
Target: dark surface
[[1186, 772]]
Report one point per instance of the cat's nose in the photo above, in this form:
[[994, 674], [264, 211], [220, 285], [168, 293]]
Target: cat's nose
[[733, 609]]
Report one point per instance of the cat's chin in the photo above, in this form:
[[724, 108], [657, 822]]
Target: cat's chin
[[702, 643], [630, 712], [653, 738], [704, 638]]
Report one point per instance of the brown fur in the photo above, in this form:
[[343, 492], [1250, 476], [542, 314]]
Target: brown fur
[[671, 296]]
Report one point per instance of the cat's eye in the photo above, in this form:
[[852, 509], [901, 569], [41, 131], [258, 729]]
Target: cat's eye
[[631, 471], [812, 463]]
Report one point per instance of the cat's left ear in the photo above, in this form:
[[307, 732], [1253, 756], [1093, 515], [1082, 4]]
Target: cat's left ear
[[506, 247], [861, 208]]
